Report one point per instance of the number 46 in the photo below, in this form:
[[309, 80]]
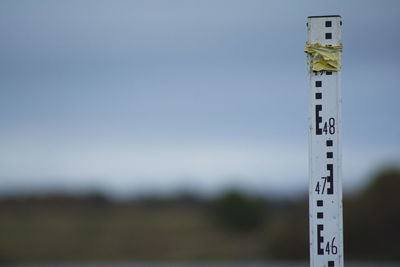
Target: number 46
[[331, 248]]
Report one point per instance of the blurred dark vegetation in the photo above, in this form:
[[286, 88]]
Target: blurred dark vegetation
[[232, 226]]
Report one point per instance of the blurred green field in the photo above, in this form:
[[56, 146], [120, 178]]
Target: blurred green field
[[233, 226], [66, 229]]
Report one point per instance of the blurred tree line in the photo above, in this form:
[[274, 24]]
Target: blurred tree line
[[231, 226]]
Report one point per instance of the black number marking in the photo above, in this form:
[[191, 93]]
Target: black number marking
[[318, 119], [321, 189], [320, 186], [325, 130], [329, 126], [327, 249], [317, 189], [331, 248]]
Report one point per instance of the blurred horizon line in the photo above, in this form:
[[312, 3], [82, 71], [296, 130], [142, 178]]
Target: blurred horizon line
[[11, 192]]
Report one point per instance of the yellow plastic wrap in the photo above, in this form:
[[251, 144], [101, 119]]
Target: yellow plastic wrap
[[324, 57]]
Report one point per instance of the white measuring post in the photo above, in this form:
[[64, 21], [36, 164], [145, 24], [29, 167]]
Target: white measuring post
[[325, 188]]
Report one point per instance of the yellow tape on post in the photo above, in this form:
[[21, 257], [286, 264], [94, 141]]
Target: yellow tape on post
[[324, 57]]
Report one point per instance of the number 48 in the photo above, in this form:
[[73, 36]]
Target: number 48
[[329, 126]]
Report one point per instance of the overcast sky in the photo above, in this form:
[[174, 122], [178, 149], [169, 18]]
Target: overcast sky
[[138, 96]]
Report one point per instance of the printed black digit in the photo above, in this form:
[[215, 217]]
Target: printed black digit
[[332, 125]]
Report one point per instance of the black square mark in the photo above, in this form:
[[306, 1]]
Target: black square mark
[[318, 95], [328, 23], [318, 83], [328, 35]]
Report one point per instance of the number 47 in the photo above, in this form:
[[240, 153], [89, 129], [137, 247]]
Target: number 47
[[321, 189]]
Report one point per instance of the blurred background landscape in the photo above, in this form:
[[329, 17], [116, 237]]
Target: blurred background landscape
[[176, 131], [233, 226]]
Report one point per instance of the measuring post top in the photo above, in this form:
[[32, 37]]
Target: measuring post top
[[324, 30], [326, 16], [324, 42]]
